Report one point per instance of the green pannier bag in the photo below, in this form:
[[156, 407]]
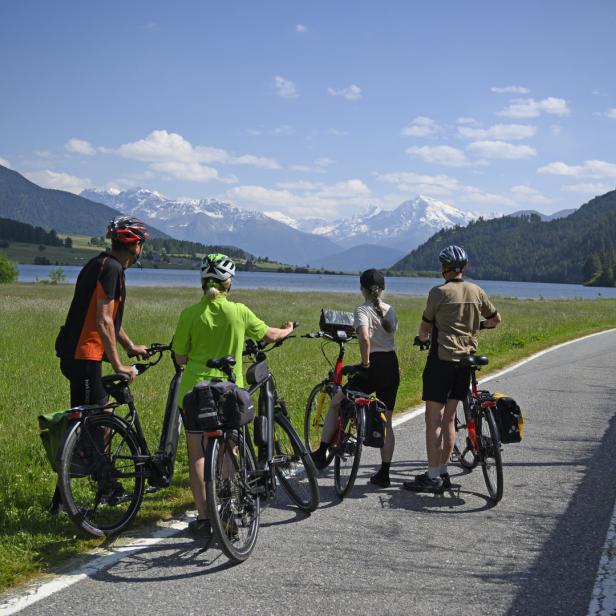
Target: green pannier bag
[[53, 432]]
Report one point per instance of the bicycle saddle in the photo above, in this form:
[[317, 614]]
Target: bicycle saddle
[[220, 362], [474, 360]]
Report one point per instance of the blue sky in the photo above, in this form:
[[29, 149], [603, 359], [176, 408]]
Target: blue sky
[[314, 108]]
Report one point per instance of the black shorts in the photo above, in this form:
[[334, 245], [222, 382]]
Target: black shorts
[[445, 380], [85, 377], [382, 378]]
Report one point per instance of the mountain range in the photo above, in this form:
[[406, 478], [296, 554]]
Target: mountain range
[[579, 248], [24, 201]]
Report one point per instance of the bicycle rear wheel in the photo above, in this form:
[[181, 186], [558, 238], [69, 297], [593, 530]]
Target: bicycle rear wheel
[[101, 477], [491, 461], [462, 451], [314, 417], [296, 473], [348, 455], [232, 502]]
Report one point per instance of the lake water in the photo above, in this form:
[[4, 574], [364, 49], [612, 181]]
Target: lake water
[[321, 282]]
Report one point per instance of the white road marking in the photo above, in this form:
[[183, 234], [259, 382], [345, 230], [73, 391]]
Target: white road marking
[[15, 602]]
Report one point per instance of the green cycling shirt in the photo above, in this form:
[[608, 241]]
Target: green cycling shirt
[[210, 329]]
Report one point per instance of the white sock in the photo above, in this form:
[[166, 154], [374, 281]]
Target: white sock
[[442, 469], [433, 471]]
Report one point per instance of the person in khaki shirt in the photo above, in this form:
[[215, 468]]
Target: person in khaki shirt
[[450, 323]]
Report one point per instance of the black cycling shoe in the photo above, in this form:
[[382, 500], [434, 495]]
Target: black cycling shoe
[[423, 483], [380, 479], [446, 481], [200, 528], [319, 458], [113, 493]]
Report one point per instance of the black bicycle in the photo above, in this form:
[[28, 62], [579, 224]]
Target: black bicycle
[[105, 460], [242, 470]]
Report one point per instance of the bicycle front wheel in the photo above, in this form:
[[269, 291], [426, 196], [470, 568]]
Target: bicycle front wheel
[[348, 455], [491, 461], [232, 501], [317, 406], [295, 470], [462, 452], [101, 476]]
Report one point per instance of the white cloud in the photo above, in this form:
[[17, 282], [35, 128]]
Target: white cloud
[[301, 28], [589, 188], [528, 194], [510, 90], [319, 165], [79, 146], [173, 154], [588, 169], [498, 131], [442, 186], [5, 163], [530, 108], [501, 150], [421, 126], [440, 155], [336, 132], [59, 180], [610, 113], [351, 93], [285, 88], [466, 120]]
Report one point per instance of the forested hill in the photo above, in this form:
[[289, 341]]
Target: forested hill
[[63, 211], [580, 248]]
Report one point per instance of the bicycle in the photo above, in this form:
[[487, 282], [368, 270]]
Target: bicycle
[[477, 437], [238, 479], [321, 394], [104, 461]]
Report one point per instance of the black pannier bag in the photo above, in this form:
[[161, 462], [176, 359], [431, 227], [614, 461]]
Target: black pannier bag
[[216, 404], [509, 419], [333, 321], [376, 425]]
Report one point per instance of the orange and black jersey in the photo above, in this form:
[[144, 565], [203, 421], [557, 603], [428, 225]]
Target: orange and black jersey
[[101, 277]]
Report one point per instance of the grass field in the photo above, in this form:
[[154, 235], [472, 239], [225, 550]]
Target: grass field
[[31, 384]]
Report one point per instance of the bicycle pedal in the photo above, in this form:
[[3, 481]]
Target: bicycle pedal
[[279, 459]]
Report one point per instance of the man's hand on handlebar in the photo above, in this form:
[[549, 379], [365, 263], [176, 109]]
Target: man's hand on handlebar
[[140, 351], [422, 344]]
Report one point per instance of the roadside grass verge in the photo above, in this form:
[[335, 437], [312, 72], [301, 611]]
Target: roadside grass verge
[[31, 384]]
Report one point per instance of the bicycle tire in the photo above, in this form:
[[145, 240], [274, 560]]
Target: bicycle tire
[[313, 418], [232, 503], [491, 460], [297, 475], [464, 455], [101, 477], [348, 455]]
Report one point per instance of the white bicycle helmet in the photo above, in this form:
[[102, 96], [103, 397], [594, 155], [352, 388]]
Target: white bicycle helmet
[[217, 267]]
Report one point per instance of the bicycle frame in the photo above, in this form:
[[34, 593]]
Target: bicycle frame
[[472, 407]]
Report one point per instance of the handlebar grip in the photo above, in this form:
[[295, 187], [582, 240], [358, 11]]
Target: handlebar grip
[[140, 368]]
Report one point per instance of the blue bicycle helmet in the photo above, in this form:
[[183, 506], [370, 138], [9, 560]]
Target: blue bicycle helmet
[[453, 258]]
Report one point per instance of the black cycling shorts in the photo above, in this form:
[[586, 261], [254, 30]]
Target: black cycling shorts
[[85, 377], [445, 380], [381, 378]]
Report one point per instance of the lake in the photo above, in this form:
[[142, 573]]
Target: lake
[[329, 283]]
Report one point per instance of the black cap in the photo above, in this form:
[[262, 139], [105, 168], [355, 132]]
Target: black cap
[[372, 278]]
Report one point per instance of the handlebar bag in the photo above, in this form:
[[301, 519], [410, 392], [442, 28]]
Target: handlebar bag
[[216, 404], [333, 321], [509, 419], [376, 425]]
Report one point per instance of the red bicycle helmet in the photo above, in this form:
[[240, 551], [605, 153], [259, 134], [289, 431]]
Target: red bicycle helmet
[[127, 230]]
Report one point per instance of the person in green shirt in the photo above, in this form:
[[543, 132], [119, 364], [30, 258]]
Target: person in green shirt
[[212, 328]]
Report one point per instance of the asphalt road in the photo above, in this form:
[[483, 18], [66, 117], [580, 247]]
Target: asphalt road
[[387, 551]]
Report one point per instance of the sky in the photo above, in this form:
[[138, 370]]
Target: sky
[[318, 108]]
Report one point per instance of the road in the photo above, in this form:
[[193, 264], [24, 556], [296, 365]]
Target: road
[[387, 551]]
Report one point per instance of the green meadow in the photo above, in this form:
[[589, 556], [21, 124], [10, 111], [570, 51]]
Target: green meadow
[[31, 384]]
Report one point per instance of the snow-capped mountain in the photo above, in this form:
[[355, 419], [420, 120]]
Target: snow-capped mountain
[[405, 227], [213, 222]]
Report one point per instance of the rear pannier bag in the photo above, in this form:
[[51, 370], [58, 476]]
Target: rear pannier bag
[[376, 425], [216, 404], [333, 321], [509, 419], [53, 430]]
